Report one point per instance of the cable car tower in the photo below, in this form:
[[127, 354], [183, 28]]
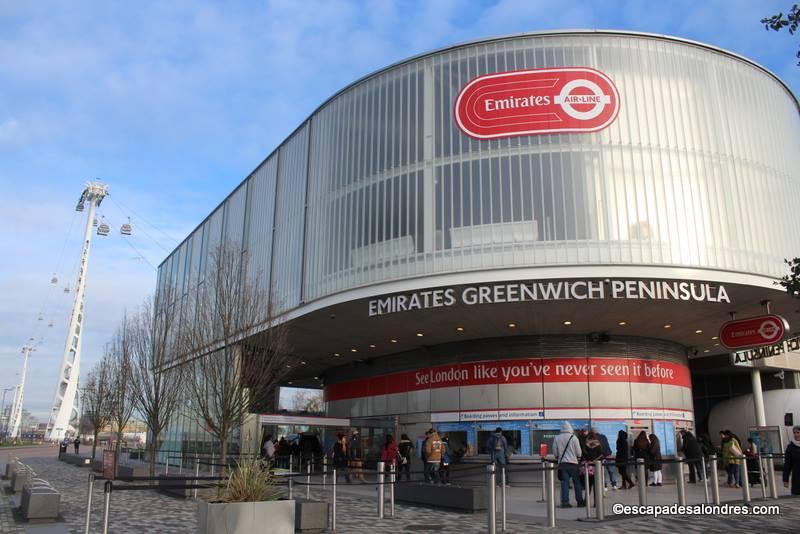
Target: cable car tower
[[64, 415]]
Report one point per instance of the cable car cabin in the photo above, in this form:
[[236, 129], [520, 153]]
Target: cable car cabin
[[79, 206], [54, 280], [66, 289], [126, 229], [103, 229]]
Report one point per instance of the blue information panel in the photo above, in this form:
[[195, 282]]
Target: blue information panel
[[665, 430]]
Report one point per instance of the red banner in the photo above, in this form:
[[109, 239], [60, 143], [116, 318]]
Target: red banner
[[537, 101], [536, 370]]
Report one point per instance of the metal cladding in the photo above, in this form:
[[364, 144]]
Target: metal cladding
[[573, 149]]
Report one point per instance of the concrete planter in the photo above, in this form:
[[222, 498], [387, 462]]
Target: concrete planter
[[245, 517]]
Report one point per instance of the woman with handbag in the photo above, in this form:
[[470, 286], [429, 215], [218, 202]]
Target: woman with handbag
[[405, 448], [732, 458], [593, 451], [655, 460]]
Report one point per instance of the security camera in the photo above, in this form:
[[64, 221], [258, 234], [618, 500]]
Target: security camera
[[779, 375]]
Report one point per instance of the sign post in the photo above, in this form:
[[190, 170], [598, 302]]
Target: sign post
[[753, 332], [108, 464]]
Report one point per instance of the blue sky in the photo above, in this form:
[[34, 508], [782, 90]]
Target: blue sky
[[174, 103]]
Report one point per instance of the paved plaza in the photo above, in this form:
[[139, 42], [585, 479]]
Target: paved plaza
[[150, 511]]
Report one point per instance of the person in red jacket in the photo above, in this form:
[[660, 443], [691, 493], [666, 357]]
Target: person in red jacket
[[389, 453]]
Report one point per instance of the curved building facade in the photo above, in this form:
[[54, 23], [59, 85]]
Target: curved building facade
[[526, 229]]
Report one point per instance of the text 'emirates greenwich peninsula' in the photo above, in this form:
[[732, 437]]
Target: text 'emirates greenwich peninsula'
[[545, 291]]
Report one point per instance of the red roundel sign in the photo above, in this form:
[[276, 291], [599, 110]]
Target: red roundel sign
[[537, 101], [753, 332]]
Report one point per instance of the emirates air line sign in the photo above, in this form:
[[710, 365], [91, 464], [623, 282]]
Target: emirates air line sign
[[537, 101]]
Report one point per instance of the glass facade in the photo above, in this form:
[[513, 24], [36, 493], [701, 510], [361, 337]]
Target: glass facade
[[698, 170]]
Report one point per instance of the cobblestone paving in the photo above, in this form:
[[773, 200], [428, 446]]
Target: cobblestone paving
[[149, 511]]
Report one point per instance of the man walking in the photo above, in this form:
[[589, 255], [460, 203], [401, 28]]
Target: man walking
[[567, 452], [433, 456], [356, 453], [497, 445]]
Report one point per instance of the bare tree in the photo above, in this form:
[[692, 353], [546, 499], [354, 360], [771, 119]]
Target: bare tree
[[237, 350], [155, 379], [97, 400], [305, 400], [120, 371]]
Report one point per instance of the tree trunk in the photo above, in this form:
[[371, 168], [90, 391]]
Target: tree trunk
[[152, 447], [117, 451], [94, 443]]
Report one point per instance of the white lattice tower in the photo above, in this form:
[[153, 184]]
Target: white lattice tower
[[64, 415], [19, 397]]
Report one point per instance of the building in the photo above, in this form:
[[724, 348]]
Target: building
[[519, 231]]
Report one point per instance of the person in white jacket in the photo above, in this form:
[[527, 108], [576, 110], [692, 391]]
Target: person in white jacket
[[567, 452]]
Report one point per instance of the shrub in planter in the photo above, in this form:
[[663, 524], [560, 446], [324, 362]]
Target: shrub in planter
[[248, 502]]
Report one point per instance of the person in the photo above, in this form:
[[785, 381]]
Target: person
[[731, 458], [406, 448], [433, 456], [622, 459], [791, 462], [77, 444], [389, 454], [356, 453], [593, 451], [282, 451], [340, 456], [752, 449], [497, 445], [425, 470], [693, 453], [641, 449], [655, 460], [607, 454], [567, 451], [268, 450], [444, 468], [707, 449]]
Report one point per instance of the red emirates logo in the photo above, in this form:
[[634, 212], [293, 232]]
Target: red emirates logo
[[537, 101]]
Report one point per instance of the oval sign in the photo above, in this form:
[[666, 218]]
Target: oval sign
[[753, 332], [537, 101]]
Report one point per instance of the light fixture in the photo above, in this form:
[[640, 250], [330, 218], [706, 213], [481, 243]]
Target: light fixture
[[716, 344], [316, 378], [460, 328], [622, 323], [667, 326], [698, 331], [567, 323], [707, 350], [289, 382], [394, 341], [419, 334], [336, 354], [372, 345], [512, 325], [353, 350], [715, 337], [302, 363]]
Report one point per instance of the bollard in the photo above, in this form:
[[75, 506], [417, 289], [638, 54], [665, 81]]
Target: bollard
[[705, 478], [291, 489], [714, 479], [503, 497], [761, 476], [491, 502], [196, 473], [599, 503], [586, 489], [212, 464], [89, 502], [180, 467], [333, 503], [745, 481], [544, 497], [380, 490], [391, 489], [291, 462], [324, 471], [166, 467], [773, 485], [107, 504], [549, 483], [308, 481], [680, 482], [642, 475]]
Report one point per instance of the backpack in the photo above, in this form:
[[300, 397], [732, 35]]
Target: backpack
[[498, 443]]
